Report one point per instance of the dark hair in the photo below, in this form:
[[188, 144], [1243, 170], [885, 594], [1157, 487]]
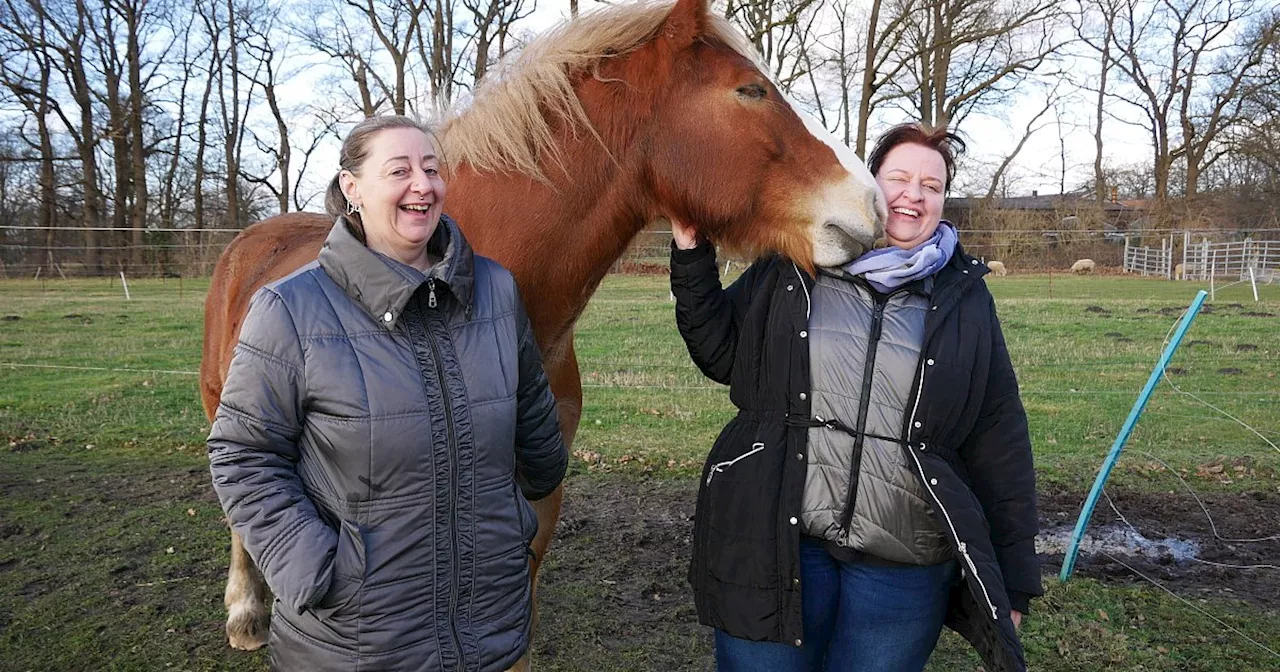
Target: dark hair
[[355, 149], [944, 142]]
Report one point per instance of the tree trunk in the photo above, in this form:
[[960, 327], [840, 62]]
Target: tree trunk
[[1099, 176], [868, 78], [282, 156], [231, 120], [133, 59]]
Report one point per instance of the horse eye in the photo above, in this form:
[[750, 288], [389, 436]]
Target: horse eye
[[754, 91]]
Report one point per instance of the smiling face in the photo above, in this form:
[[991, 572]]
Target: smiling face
[[400, 193], [914, 181]]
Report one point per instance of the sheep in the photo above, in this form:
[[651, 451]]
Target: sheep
[[1083, 266], [1180, 272], [997, 268]]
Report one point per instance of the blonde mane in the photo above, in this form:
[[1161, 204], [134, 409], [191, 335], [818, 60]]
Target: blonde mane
[[505, 127]]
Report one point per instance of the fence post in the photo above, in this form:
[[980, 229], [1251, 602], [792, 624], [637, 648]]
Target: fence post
[[1124, 265], [1186, 244], [1204, 260], [1213, 273], [1068, 562]]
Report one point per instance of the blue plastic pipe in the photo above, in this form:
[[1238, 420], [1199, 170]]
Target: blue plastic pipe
[[1069, 562]]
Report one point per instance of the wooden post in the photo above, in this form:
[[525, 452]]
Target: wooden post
[[1213, 268], [125, 284], [1186, 243]]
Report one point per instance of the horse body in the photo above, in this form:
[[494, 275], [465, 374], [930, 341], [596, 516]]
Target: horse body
[[668, 117]]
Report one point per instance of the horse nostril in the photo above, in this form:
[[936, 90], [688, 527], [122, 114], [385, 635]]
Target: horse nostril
[[857, 234]]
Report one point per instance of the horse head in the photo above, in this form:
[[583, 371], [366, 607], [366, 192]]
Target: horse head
[[729, 153]]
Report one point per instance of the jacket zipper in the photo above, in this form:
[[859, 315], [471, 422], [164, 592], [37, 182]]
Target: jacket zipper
[[961, 545], [721, 466], [450, 446], [864, 403]]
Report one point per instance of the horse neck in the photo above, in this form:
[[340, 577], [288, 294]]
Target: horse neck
[[558, 239]]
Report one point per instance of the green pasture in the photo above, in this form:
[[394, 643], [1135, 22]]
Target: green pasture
[[112, 547]]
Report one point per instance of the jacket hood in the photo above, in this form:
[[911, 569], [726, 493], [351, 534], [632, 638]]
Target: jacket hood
[[383, 290]]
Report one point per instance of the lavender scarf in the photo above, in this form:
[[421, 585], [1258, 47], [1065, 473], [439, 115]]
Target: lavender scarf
[[892, 267]]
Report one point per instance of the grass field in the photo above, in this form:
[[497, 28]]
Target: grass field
[[112, 548]]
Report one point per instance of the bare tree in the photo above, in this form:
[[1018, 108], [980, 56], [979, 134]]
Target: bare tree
[[1034, 125], [970, 54], [1095, 24], [884, 41], [1174, 54], [491, 22], [139, 16], [395, 24], [782, 30], [25, 70], [260, 45], [68, 46], [170, 197]]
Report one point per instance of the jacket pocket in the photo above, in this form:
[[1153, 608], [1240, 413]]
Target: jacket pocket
[[739, 505], [528, 518], [349, 567], [720, 467]]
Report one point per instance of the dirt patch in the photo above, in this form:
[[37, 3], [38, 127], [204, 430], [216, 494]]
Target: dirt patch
[[1246, 347], [1097, 309], [10, 318], [1230, 371], [628, 542], [616, 575], [1176, 371], [1256, 313], [1192, 344], [1217, 569]]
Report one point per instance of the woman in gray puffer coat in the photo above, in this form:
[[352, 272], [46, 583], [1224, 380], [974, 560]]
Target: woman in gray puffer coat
[[384, 420]]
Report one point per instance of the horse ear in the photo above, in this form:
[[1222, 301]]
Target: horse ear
[[686, 22]]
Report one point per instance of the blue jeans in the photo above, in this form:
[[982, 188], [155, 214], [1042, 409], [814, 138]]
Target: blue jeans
[[858, 617]]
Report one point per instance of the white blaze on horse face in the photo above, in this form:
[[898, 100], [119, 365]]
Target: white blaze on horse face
[[848, 214]]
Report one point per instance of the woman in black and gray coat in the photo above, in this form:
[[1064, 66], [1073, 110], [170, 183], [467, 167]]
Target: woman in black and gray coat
[[384, 419], [877, 481]]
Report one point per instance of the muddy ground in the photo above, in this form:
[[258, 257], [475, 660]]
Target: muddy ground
[[613, 589], [628, 542]]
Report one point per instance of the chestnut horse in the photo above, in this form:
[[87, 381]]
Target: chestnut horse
[[618, 118]]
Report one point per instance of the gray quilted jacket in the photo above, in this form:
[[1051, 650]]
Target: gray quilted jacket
[[374, 434], [859, 492]]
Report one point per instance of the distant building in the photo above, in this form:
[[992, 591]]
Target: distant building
[[1050, 212]]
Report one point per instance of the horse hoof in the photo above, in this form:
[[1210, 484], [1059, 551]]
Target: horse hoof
[[247, 629]]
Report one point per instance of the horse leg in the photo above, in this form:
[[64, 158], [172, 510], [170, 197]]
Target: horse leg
[[247, 615], [567, 386]]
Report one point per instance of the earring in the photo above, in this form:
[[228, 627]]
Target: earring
[[352, 208]]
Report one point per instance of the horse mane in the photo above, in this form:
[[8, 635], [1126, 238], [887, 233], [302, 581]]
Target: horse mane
[[505, 127]]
